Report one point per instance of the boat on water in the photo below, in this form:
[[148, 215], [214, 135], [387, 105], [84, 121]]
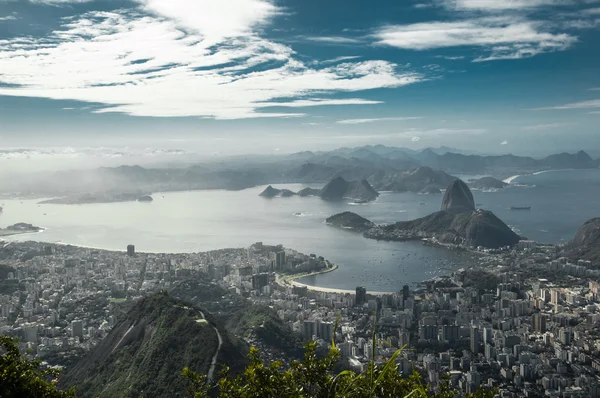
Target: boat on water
[[520, 208]]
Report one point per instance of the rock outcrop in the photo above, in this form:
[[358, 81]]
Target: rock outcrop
[[457, 223], [349, 220], [586, 244], [338, 189], [458, 196], [413, 180]]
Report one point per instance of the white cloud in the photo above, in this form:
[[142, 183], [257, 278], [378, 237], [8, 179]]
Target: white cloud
[[381, 119], [151, 66], [415, 139], [574, 105], [595, 89], [592, 11], [547, 126], [215, 19], [504, 38], [505, 142], [9, 18]]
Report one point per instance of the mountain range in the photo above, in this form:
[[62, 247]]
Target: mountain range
[[385, 168]]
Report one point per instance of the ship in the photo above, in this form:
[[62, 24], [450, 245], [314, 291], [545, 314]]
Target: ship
[[520, 208]]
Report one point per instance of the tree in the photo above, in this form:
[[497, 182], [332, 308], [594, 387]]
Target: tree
[[314, 377], [20, 377]]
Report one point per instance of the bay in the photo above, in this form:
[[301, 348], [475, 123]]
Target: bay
[[205, 220]]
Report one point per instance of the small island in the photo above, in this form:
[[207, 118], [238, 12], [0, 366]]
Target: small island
[[351, 221], [336, 189], [487, 183], [19, 228], [145, 198], [271, 192]]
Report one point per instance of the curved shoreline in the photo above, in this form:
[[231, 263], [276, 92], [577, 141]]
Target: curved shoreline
[[290, 280]]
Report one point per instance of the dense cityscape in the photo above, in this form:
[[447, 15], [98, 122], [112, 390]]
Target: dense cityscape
[[500, 325]]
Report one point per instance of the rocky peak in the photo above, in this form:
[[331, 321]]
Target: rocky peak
[[458, 196]]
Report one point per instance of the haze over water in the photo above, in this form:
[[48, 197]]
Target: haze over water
[[204, 220]]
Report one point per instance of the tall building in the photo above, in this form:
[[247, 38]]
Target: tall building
[[325, 331], [77, 328], [450, 333], [403, 338], [260, 280], [309, 329], [131, 250], [539, 323], [405, 292], [279, 259], [361, 295], [474, 339], [564, 336]]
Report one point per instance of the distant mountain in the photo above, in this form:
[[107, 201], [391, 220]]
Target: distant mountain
[[338, 189], [457, 223], [349, 220], [385, 168], [414, 180], [144, 354]]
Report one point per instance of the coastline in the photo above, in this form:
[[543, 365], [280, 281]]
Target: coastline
[[12, 232], [290, 280], [510, 179]]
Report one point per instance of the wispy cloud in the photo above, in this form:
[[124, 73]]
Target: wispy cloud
[[339, 59], [595, 89], [323, 101], [505, 142], [451, 58], [9, 18], [573, 105], [503, 38], [381, 119], [186, 58], [440, 132], [333, 39], [500, 5], [547, 126]]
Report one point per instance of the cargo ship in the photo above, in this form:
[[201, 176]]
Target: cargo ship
[[520, 208]]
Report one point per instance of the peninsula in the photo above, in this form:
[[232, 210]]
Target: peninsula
[[19, 228], [457, 223]]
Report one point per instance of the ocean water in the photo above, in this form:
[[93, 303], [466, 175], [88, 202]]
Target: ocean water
[[204, 220]]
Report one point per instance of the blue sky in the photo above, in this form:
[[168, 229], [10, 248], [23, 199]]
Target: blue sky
[[236, 76]]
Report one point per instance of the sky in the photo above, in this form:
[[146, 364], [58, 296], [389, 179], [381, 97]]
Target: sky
[[277, 76]]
